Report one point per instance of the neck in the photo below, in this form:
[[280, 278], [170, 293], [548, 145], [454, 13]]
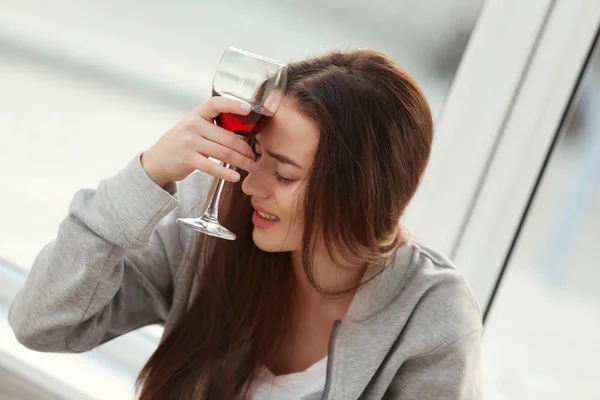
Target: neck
[[330, 278]]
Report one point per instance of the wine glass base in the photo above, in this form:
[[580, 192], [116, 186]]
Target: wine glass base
[[207, 227]]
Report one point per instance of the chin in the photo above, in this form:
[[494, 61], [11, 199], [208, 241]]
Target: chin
[[269, 242]]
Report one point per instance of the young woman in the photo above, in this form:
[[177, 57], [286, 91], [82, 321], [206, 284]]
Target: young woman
[[322, 295]]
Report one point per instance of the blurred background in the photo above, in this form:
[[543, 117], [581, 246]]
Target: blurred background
[[84, 86]]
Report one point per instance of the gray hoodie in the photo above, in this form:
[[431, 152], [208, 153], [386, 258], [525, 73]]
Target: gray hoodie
[[118, 263]]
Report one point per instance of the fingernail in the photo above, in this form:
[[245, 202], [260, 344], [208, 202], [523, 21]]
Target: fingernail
[[235, 176], [253, 167], [245, 107]]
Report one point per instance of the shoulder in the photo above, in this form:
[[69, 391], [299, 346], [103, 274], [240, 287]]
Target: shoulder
[[419, 295], [444, 304]]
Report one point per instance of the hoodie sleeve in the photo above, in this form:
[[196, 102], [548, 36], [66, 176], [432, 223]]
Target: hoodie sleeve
[[108, 271], [452, 371]]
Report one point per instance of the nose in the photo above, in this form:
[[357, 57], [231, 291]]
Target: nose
[[256, 184]]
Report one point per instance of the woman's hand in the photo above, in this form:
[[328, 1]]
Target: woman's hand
[[187, 146]]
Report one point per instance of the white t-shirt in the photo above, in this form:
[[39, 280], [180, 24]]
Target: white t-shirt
[[306, 385]]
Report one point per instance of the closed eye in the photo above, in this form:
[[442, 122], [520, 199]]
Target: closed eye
[[283, 180], [280, 179]]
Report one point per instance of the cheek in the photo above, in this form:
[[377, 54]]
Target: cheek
[[294, 213], [290, 202]]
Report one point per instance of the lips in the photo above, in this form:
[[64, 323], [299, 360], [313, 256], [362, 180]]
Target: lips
[[263, 219], [265, 214]]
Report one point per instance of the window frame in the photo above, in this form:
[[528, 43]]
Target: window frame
[[531, 126]]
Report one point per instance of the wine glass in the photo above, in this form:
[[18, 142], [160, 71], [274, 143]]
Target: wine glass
[[257, 81]]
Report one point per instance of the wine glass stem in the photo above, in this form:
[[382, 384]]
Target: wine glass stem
[[212, 211]]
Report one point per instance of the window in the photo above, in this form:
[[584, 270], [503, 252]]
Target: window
[[541, 336]]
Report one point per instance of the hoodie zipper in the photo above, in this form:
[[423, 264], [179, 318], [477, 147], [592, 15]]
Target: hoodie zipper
[[330, 359]]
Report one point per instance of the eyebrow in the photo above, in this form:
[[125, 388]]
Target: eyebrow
[[281, 158]]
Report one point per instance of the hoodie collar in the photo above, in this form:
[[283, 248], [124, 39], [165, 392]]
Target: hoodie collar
[[381, 283]]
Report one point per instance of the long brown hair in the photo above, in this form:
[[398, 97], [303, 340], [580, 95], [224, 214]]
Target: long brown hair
[[375, 138]]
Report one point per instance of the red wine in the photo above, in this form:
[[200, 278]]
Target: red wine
[[245, 125]]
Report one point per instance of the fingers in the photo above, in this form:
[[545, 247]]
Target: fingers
[[226, 154], [228, 139], [218, 171], [217, 105], [209, 140]]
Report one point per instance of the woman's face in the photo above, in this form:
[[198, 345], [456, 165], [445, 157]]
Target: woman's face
[[285, 150]]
